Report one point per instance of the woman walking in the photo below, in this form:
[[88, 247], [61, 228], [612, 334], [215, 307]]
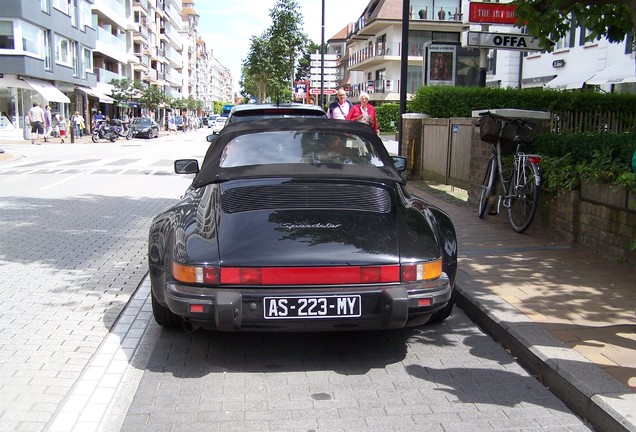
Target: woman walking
[[364, 112]]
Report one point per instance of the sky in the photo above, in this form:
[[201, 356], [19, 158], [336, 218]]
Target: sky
[[228, 25]]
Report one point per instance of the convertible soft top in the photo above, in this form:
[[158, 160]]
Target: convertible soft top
[[212, 170]]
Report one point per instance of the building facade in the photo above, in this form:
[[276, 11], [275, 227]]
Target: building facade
[[66, 53], [371, 54]]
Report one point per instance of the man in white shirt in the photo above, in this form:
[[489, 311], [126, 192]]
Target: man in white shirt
[[36, 118], [339, 109]]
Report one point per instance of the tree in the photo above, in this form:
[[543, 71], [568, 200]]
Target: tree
[[125, 90], [269, 67], [152, 97], [549, 20], [258, 70], [287, 41], [304, 62]]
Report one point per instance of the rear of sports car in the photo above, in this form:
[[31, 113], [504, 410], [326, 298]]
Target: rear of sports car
[[289, 255]]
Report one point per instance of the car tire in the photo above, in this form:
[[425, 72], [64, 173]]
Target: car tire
[[443, 313], [163, 316]]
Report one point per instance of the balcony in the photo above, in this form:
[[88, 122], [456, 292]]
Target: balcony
[[140, 32], [111, 45], [375, 55], [106, 76], [143, 4]]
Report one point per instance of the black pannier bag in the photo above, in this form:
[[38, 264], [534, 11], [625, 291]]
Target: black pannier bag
[[489, 132]]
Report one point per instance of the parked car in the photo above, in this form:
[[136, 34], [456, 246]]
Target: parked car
[[144, 127], [250, 112], [300, 225], [211, 118], [219, 123]]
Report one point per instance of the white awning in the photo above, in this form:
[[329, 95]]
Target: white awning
[[48, 91], [569, 80], [619, 73], [96, 93]]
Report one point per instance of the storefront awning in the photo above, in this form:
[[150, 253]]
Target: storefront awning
[[619, 73], [570, 80], [48, 91], [96, 93]]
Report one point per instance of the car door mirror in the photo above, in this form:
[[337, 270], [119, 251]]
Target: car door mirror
[[400, 163], [211, 138], [186, 166]]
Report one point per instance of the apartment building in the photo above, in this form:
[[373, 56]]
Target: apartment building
[[371, 54], [45, 56], [65, 53]]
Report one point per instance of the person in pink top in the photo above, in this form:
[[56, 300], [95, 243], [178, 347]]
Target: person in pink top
[[364, 112]]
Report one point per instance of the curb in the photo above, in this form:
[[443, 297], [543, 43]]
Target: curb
[[585, 388]]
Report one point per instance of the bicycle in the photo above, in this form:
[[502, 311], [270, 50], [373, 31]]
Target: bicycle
[[520, 190]]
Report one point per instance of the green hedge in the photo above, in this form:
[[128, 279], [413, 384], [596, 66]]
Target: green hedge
[[388, 117], [602, 158], [446, 101]]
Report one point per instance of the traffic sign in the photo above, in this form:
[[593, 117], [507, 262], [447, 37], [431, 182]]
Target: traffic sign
[[326, 84], [315, 91], [506, 41], [319, 78], [492, 13], [328, 71], [330, 63], [326, 56]]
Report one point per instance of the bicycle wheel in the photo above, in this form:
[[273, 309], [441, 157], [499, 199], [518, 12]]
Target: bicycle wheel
[[524, 196], [487, 186]]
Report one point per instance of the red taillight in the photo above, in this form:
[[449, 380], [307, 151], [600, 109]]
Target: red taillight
[[421, 271], [534, 159], [337, 275], [196, 274], [309, 275]]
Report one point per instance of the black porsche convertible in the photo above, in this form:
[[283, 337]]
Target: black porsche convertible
[[300, 225]]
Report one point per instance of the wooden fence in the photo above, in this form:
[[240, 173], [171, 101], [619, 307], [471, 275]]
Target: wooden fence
[[592, 121]]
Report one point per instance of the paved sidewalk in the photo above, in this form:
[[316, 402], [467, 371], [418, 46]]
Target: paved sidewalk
[[568, 315]]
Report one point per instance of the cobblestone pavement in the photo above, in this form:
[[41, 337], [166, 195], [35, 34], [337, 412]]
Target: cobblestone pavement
[[78, 354], [72, 252]]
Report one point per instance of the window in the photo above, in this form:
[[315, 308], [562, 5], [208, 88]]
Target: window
[[492, 61], [76, 60], [63, 51], [32, 38], [87, 65], [61, 5], [48, 61], [45, 6], [7, 40]]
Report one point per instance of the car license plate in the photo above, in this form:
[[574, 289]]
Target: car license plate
[[312, 307]]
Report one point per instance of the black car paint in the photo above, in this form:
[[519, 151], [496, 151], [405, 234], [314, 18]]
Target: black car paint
[[198, 230]]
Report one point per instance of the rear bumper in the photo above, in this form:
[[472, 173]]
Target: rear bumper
[[243, 309]]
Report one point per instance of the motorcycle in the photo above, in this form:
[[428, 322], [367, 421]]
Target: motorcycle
[[104, 131]]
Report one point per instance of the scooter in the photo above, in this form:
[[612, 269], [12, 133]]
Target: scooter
[[122, 129]]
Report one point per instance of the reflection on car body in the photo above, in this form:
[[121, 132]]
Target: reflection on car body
[[300, 225]]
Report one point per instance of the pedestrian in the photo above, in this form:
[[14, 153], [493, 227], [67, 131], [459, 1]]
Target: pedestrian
[[339, 109], [77, 122], [36, 119], [364, 112], [47, 122], [63, 125], [172, 124]]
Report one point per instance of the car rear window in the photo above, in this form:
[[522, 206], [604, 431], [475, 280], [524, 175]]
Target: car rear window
[[293, 147], [264, 114]]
